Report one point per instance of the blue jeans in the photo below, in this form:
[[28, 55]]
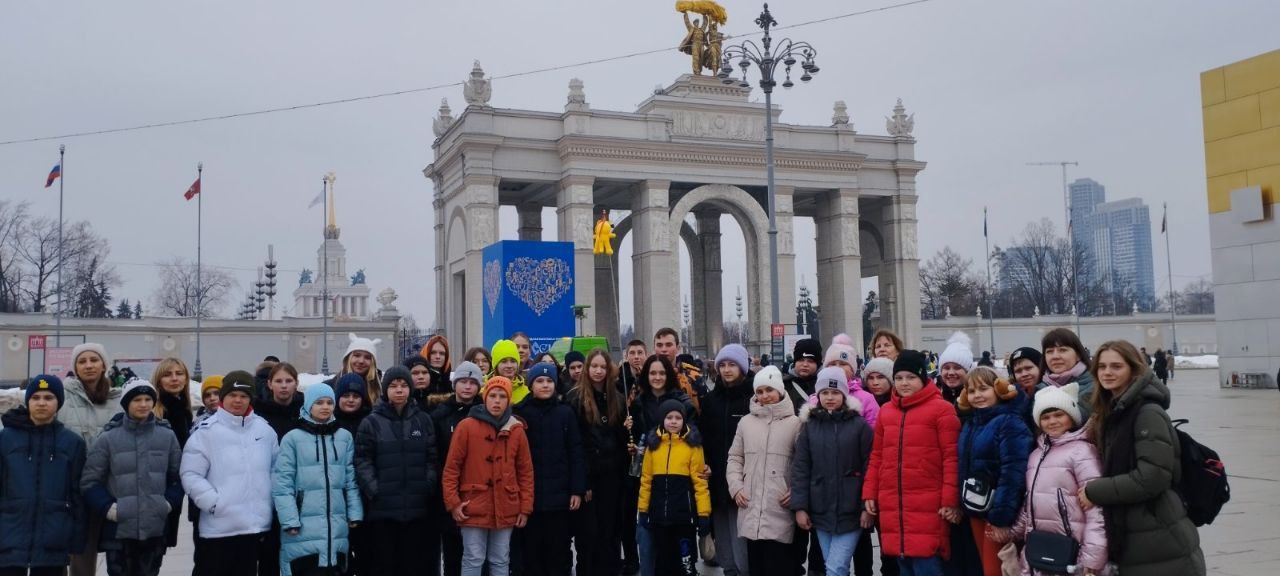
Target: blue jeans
[[837, 550], [644, 543], [480, 544], [931, 566]]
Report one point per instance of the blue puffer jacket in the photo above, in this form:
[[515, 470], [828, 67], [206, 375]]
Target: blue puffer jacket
[[314, 489], [555, 444], [994, 445], [41, 511]]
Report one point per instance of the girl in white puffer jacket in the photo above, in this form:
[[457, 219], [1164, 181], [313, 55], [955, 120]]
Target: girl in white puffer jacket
[[1062, 462]]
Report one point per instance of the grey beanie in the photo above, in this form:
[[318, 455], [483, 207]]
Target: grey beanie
[[467, 370]]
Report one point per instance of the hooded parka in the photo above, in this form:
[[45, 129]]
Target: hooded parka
[[759, 465]]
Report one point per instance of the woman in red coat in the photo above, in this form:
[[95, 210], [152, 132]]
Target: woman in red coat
[[912, 477]]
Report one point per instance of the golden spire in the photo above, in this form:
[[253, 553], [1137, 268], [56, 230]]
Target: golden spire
[[331, 229]]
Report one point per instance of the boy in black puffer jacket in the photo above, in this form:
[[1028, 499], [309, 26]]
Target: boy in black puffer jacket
[[559, 474]]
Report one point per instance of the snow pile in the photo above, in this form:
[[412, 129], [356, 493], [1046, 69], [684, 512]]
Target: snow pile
[[306, 379], [1192, 362]]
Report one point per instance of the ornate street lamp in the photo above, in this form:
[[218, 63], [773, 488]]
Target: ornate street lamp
[[766, 59], [270, 281]]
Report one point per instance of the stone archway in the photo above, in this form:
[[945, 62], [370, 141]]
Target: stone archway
[[607, 283], [754, 223], [452, 303]]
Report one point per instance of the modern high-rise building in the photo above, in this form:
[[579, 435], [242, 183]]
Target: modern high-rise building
[[1116, 236]]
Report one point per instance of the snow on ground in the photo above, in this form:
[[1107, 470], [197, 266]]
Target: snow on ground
[[1191, 362]]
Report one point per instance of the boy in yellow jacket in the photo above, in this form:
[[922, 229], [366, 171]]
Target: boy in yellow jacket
[[672, 464]]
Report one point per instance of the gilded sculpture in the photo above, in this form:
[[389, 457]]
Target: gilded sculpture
[[703, 39]]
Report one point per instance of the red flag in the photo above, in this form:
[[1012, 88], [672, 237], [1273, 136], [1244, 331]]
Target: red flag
[[193, 190]]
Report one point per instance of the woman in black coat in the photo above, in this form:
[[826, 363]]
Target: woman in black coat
[[599, 405]]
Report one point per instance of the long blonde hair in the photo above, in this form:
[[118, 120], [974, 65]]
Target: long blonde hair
[[373, 386], [162, 369]]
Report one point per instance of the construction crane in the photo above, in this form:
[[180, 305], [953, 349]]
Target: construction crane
[[1071, 245]]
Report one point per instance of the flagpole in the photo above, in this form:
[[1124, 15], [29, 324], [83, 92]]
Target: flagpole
[[1168, 258], [57, 312], [324, 272], [199, 372], [991, 308]]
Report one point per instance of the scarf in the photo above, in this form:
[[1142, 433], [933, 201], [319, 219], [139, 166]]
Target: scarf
[[1118, 457], [1067, 377]]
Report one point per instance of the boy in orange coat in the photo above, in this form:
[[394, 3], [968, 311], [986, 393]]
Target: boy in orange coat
[[488, 480]]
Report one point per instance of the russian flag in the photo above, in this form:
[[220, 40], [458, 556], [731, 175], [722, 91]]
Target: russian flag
[[54, 175]]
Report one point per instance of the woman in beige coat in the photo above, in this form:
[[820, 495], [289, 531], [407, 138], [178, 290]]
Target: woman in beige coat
[[758, 474]]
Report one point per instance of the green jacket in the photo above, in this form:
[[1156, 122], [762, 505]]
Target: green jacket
[[1159, 539]]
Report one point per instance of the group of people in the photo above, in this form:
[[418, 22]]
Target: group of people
[[510, 463]]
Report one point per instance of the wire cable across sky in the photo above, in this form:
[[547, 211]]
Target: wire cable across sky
[[324, 103]]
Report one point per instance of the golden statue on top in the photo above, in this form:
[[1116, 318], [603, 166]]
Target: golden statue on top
[[703, 38]]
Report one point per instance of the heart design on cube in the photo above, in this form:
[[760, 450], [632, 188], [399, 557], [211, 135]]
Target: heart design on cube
[[492, 285], [539, 283]]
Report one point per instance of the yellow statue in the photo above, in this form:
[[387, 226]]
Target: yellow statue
[[712, 56], [695, 42], [604, 235]]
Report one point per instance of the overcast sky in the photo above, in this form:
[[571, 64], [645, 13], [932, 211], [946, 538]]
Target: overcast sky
[[994, 84]]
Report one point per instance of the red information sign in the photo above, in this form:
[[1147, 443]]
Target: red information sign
[[36, 342], [778, 330], [57, 360]]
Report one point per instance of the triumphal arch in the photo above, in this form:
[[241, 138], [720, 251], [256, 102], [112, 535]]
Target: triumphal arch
[[690, 152]]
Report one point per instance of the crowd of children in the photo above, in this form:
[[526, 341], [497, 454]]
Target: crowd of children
[[511, 464]]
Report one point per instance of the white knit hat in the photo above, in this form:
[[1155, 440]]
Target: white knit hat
[[1064, 398], [362, 344], [959, 351], [882, 366], [770, 377], [832, 378], [94, 347]]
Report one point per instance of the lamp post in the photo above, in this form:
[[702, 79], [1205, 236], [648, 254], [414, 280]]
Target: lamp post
[[270, 282], [738, 305], [766, 59]]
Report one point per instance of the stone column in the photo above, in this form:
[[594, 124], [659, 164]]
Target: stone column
[[574, 205], [437, 209], [479, 199], [710, 326], [783, 214], [530, 216], [606, 311], [652, 263], [900, 273], [839, 265]]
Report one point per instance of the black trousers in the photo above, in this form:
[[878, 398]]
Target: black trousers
[[197, 544], [310, 566], [231, 556], [627, 522], [37, 571], [597, 523], [269, 551], [805, 547], [964, 559], [888, 562], [675, 550], [135, 557], [451, 545], [358, 563], [405, 548], [546, 542], [770, 557]]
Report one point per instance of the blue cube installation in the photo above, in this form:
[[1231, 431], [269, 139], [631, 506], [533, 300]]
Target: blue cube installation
[[528, 287]]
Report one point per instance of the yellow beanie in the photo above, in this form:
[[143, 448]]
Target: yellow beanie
[[502, 350], [213, 382]]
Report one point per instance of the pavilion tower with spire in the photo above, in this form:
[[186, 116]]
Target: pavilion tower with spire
[[348, 294]]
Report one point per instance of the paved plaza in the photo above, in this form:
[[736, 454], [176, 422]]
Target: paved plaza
[[1242, 425]]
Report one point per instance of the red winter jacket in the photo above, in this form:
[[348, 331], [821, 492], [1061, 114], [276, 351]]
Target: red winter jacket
[[913, 472]]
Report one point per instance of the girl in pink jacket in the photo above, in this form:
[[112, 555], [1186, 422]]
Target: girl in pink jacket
[[1061, 463], [840, 353]]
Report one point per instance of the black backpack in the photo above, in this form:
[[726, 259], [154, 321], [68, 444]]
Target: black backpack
[[1204, 487]]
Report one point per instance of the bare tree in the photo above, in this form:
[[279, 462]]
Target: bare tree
[[947, 281], [1195, 298], [177, 294], [40, 255], [13, 218]]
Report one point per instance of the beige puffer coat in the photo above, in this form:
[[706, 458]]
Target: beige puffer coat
[[760, 466]]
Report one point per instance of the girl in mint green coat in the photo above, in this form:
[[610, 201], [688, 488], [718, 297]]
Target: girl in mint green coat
[[315, 492]]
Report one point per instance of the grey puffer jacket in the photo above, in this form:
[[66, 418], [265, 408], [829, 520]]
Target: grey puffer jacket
[[1158, 539], [829, 465], [134, 465]]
